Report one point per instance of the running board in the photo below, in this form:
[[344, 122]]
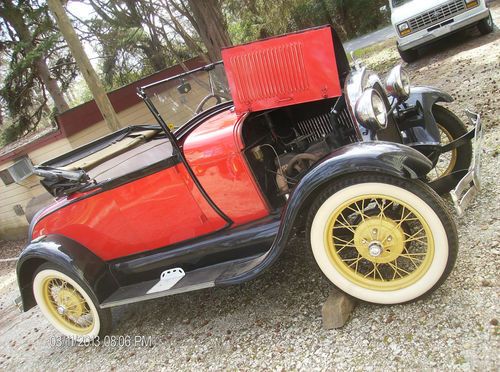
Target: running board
[[205, 277]]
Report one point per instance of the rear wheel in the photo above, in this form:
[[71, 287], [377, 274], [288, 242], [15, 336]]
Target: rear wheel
[[409, 56], [486, 26], [382, 239], [69, 305]]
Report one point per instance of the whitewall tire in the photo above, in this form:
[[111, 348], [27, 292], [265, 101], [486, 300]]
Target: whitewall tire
[[382, 239], [69, 305]]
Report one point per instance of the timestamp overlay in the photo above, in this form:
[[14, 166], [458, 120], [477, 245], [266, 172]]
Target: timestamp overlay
[[118, 341]]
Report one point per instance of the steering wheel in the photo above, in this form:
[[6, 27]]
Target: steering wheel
[[205, 100]]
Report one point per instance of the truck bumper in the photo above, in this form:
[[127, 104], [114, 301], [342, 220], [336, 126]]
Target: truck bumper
[[443, 29], [469, 186]]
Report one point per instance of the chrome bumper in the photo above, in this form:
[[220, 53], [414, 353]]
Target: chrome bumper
[[470, 185], [461, 21]]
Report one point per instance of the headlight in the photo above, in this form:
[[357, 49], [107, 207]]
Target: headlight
[[398, 83], [371, 111], [404, 29], [471, 3]]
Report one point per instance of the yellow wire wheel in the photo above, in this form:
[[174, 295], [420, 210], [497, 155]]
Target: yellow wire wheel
[[383, 242], [447, 161], [68, 306], [450, 128], [370, 240]]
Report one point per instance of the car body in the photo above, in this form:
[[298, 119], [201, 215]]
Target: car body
[[148, 212], [418, 23]]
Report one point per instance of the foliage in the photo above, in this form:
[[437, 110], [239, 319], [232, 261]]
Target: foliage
[[251, 19], [28, 41], [137, 38]]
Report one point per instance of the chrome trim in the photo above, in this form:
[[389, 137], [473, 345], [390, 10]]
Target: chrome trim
[[365, 110], [436, 15], [470, 185], [356, 83], [395, 86]]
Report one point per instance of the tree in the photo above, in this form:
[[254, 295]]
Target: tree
[[13, 15], [84, 64], [208, 19], [29, 40]]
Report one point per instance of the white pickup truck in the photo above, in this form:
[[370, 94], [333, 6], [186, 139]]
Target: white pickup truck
[[420, 22]]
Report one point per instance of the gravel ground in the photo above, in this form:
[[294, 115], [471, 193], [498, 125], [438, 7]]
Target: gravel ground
[[274, 322]]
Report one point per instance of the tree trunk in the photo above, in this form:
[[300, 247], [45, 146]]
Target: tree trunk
[[83, 62], [14, 17], [51, 86], [211, 25]]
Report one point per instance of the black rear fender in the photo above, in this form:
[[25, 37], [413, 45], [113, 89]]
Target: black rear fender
[[68, 254]]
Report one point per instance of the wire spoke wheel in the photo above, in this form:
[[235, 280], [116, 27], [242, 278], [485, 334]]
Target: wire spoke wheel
[[447, 161], [69, 304], [379, 242], [450, 128], [382, 239]]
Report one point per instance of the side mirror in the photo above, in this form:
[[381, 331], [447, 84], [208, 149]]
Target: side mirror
[[184, 88]]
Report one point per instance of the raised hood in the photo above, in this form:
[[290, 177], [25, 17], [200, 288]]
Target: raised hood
[[284, 70]]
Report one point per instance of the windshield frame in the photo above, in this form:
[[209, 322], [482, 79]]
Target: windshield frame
[[141, 92]]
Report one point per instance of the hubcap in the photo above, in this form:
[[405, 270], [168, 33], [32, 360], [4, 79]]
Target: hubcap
[[67, 305], [379, 242], [375, 249]]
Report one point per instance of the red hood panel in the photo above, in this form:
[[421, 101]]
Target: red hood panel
[[282, 71]]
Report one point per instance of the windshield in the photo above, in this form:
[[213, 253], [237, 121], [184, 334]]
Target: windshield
[[396, 3], [182, 97]]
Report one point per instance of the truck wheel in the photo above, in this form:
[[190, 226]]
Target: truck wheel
[[486, 26], [382, 239], [409, 56], [69, 305], [450, 128]]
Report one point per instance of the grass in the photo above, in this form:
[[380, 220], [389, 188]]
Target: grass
[[380, 57]]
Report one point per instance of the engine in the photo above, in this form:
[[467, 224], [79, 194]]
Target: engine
[[282, 144]]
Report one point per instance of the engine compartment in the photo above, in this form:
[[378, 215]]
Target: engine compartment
[[282, 144]]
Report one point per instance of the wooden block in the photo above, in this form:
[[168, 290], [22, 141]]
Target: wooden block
[[337, 309]]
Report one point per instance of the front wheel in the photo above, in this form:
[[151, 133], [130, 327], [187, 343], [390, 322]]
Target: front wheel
[[409, 56], [382, 239], [450, 128], [69, 304], [486, 26]]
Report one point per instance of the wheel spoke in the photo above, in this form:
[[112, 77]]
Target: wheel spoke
[[343, 226], [344, 246], [396, 267], [379, 273], [412, 260]]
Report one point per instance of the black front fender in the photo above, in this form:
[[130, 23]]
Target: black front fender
[[69, 255], [419, 122], [378, 157]]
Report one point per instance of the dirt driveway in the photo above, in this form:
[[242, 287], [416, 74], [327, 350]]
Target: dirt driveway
[[274, 322]]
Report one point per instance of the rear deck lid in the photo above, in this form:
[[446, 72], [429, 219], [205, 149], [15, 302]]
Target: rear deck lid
[[282, 71]]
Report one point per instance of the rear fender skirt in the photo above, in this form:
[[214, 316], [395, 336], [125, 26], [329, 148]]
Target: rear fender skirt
[[71, 256], [379, 157], [421, 127]]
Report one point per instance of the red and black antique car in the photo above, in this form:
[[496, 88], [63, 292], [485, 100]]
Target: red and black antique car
[[296, 141]]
